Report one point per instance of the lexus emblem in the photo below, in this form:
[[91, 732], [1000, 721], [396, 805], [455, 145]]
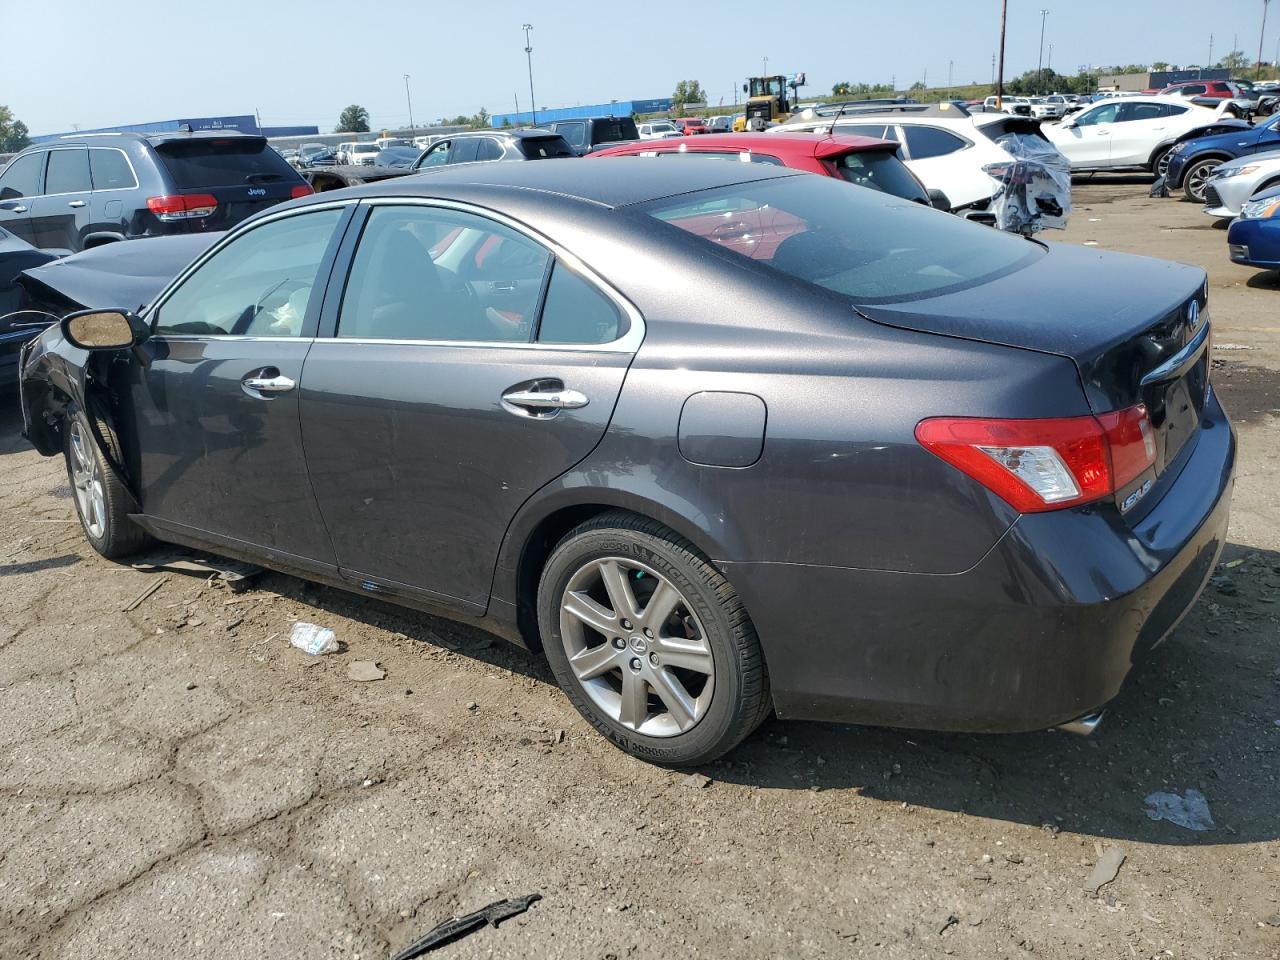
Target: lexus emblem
[[1193, 315]]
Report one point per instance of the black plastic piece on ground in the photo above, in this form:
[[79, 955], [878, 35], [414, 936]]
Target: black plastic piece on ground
[[451, 930]]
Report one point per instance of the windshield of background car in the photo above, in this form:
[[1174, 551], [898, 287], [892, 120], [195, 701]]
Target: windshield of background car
[[880, 171], [871, 247], [365, 148], [219, 163]]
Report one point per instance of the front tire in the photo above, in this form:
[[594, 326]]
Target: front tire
[[650, 642], [1196, 179], [1160, 165], [103, 502]]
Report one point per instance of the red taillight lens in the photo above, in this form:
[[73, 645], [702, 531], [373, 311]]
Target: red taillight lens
[[1038, 465], [301, 190], [182, 206]]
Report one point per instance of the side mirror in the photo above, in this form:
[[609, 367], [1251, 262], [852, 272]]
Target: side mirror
[[1069, 124], [103, 330], [939, 200]]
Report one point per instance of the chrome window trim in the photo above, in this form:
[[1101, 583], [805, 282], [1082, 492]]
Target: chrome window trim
[[150, 308], [629, 342], [238, 338]]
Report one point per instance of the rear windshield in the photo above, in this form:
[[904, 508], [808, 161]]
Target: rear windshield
[[365, 148], [220, 163], [880, 171], [869, 246], [543, 148], [607, 131]]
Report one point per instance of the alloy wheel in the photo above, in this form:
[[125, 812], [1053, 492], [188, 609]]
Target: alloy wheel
[[1162, 165], [637, 648], [86, 478], [1197, 180]]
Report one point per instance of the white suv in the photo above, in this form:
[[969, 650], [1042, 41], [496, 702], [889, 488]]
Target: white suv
[[944, 147], [1127, 132]]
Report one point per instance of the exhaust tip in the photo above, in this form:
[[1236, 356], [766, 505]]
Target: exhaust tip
[[1083, 726]]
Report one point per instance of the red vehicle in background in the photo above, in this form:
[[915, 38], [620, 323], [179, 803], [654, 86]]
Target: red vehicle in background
[[1202, 89], [691, 125], [860, 160]]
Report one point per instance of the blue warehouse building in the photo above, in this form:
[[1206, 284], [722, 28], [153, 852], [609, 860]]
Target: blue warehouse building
[[618, 108]]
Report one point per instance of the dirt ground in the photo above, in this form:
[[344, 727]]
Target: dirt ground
[[176, 781]]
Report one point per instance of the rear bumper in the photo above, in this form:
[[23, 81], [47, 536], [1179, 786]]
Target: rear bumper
[[1041, 631]]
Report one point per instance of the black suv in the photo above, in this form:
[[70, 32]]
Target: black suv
[[84, 190], [595, 133], [494, 145]]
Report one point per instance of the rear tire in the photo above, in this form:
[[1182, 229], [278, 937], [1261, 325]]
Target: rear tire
[[1196, 177], [103, 501], [1160, 162], [678, 678]]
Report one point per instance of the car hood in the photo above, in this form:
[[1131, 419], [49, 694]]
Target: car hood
[[120, 276], [1226, 141]]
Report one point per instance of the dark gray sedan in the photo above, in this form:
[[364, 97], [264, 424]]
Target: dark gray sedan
[[718, 439]]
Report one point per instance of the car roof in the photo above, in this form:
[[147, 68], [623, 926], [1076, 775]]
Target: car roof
[[794, 144], [519, 133], [621, 182]]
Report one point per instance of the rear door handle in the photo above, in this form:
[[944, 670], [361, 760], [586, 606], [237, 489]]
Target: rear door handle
[[75, 203], [260, 386], [544, 401]]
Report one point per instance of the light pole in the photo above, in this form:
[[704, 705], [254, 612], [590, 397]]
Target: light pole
[[766, 67], [1040, 63], [413, 131], [1004, 15], [528, 52], [1261, 34]]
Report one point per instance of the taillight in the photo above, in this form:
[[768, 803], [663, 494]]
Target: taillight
[[301, 190], [1038, 465], [182, 206]]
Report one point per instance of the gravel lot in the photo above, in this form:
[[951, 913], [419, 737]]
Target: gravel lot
[[177, 781]]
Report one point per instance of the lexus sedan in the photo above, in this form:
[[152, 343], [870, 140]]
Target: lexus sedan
[[850, 459]]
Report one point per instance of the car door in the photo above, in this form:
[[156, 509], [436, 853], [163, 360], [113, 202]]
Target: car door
[[1087, 142], [20, 183], [60, 217], [218, 443], [428, 421], [1138, 130], [436, 156]]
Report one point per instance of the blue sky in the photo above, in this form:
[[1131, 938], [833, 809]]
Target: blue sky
[[94, 63]]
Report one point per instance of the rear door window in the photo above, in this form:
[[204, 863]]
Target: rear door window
[[21, 178], [489, 149], [576, 312], [202, 162], [926, 142], [464, 150], [68, 172], [1141, 111], [110, 170]]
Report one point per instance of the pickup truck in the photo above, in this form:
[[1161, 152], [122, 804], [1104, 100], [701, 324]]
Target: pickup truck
[[594, 133]]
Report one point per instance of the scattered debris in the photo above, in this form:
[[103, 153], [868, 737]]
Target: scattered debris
[[947, 924], [1091, 243], [364, 671], [459, 927], [1273, 920], [313, 639], [560, 734], [701, 781], [984, 877], [235, 575], [472, 705], [1013, 857], [191, 686], [1226, 586], [1105, 870], [1230, 346], [1191, 810], [137, 601]]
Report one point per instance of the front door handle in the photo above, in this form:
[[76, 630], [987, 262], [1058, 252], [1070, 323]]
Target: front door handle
[[545, 401], [263, 386], [75, 203], [12, 207]]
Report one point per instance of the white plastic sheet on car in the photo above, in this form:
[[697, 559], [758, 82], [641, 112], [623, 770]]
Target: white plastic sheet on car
[[1035, 185]]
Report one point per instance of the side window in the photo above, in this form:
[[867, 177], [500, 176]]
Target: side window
[[873, 130], [926, 142], [1193, 90], [576, 312], [1173, 109], [437, 156], [110, 170], [489, 149], [426, 273], [1105, 114], [464, 150], [68, 172], [258, 285], [575, 132], [1141, 111], [21, 177]]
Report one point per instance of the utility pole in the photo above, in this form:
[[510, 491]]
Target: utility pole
[[1048, 64], [1004, 16], [413, 130], [766, 67], [1210, 63], [993, 70], [951, 64], [517, 99], [1261, 34], [528, 52], [1044, 14]]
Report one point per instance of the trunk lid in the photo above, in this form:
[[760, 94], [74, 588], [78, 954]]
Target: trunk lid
[[242, 173], [1137, 330]]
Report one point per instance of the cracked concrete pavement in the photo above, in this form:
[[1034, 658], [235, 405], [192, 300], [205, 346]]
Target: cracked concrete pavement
[[178, 781]]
